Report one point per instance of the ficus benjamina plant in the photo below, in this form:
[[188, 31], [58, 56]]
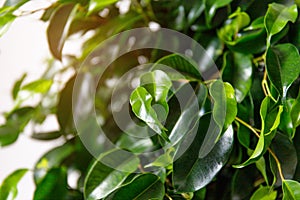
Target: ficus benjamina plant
[[230, 134]]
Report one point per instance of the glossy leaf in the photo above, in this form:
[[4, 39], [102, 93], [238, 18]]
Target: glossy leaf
[[282, 62], [158, 84], [211, 7], [8, 188], [40, 86], [53, 185], [58, 29], [224, 112], [96, 5], [102, 179], [180, 63], [295, 112], [237, 70], [144, 186], [264, 193], [277, 17], [140, 101], [291, 190], [191, 173]]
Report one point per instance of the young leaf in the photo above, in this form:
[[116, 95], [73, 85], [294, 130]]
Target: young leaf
[[237, 70], [291, 190], [58, 28], [282, 62], [140, 100], [277, 17], [40, 86], [101, 179], [144, 186], [8, 189], [264, 193], [191, 173]]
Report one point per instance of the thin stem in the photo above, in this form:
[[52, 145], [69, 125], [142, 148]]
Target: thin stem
[[168, 196], [270, 150]]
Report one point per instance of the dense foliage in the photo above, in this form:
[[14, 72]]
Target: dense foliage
[[235, 134]]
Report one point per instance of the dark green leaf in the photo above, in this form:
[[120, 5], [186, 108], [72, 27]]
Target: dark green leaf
[[8, 188], [46, 135], [237, 70], [192, 173], [17, 86], [264, 193], [282, 62], [102, 179], [295, 112], [8, 134], [141, 101], [58, 28], [211, 7], [291, 190], [53, 185], [277, 17], [144, 186]]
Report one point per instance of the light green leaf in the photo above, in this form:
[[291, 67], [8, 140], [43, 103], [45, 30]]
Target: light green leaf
[[261, 166], [8, 188], [237, 70], [97, 5], [295, 112], [5, 22], [58, 28], [277, 17], [144, 186], [158, 84], [102, 179], [211, 6], [291, 190], [140, 101], [282, 62], [40, 86], [264, 193], [191, 173]]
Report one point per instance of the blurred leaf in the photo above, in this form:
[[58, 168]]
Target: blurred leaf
[[103, 179], [277, 17], [237, 70], [140, 101], [40, 86], [8, 188], [291, 190], [158, 84], [282, 62], [5, 22], [17, 86], [46, 135], [8, 134], [264, 193], [191, 173], [211, 7], [58, 28], [97, 5], [144, 186], [53, 185]]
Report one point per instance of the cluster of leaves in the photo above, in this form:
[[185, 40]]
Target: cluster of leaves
[[251, 153]]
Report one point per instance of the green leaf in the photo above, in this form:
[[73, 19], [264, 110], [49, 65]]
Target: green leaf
[[261, 166], [264, 193], [282, 62], [277, 17], [140, 101], [191, 173], [158, 84], [211, 6], [58, 28], [17, 86], [224, 112], [295, 114], [8, 134], [102, 179], [46, 135], [5, 22], [237, 70], [97, 5], [53, 185], [144, 186], [291, 190], [40, 86], [181, 63], [8, 188]]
